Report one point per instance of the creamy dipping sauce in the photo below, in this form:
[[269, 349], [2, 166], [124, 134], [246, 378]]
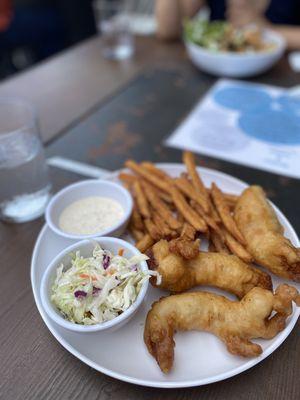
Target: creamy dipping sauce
[[90, 215]]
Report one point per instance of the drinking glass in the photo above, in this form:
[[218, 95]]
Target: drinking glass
[[24, 181], [113, 23]]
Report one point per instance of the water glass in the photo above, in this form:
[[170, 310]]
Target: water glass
[[24, 181], [113, 23]]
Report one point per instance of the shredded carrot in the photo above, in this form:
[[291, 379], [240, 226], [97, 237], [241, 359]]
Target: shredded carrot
[[111, 271], [87, 276], [121, 252]]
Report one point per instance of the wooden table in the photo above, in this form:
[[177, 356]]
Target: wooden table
[[103, 112]]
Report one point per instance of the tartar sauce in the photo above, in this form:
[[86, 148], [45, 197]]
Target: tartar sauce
[[90, 215]]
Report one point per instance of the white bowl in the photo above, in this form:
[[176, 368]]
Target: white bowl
[[86, 247], [237, 65], [80, 190]]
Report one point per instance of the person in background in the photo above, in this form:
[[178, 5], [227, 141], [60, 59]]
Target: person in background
[[32, 30], [5, 14], [282, 16]]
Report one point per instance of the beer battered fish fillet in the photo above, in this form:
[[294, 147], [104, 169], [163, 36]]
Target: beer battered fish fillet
[[234, 322], [263, 233], [224, 271]]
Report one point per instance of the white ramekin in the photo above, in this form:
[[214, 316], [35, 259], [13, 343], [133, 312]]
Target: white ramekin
[[87, 188], [86, 247]]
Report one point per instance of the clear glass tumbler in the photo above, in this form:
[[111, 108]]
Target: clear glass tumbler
[[24, 181], [113, 23]]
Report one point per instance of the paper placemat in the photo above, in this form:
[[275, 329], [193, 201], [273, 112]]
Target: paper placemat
[[246, 123]]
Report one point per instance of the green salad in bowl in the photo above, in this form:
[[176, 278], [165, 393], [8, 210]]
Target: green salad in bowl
[[220, 36]]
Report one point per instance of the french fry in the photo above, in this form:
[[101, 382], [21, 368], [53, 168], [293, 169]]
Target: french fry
[[236, 248], [141, 200], [156, 194], [188, 159], [164, 196], [224, 213], [160, 174], [127, 179], [218, 244], [185, 186], [156, 171], [214, 213], [153, 230], [145, 243], [189, 214], [136, 220], [208, 219], [180, 218], [162, 226], [149, 176], [211, 247], [159, 193], [188, 231], [186, 176], [160, 207], [231, 199], [231, 207], [137, 235]]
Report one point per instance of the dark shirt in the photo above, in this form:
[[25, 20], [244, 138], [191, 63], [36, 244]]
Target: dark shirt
[[286, 12]]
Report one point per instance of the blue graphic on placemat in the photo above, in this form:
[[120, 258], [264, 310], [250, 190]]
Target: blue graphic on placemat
[[273, 126], [242, 98], [272, 120], [290, 103], [213, 133]]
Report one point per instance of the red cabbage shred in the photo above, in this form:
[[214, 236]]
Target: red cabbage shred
[[106, 261], [80, 293]]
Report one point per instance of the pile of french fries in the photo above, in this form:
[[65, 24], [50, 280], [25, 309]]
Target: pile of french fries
[[180, 210]]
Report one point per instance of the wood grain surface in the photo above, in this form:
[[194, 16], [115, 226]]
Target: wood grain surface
[[138, 106], [67, 86]]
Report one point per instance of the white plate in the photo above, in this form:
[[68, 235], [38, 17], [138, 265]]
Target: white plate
[[200, 358], [237, 65]]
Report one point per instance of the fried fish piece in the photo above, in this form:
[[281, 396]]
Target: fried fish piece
[[234, 322], [186, 248], [224, 271], [263, 233]]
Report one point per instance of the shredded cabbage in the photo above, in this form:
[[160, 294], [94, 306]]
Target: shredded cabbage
[[98, 288]]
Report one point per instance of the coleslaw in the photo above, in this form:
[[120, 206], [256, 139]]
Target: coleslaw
[[98, 288]]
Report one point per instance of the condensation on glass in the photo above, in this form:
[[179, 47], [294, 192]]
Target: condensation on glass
[[24, 181]]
